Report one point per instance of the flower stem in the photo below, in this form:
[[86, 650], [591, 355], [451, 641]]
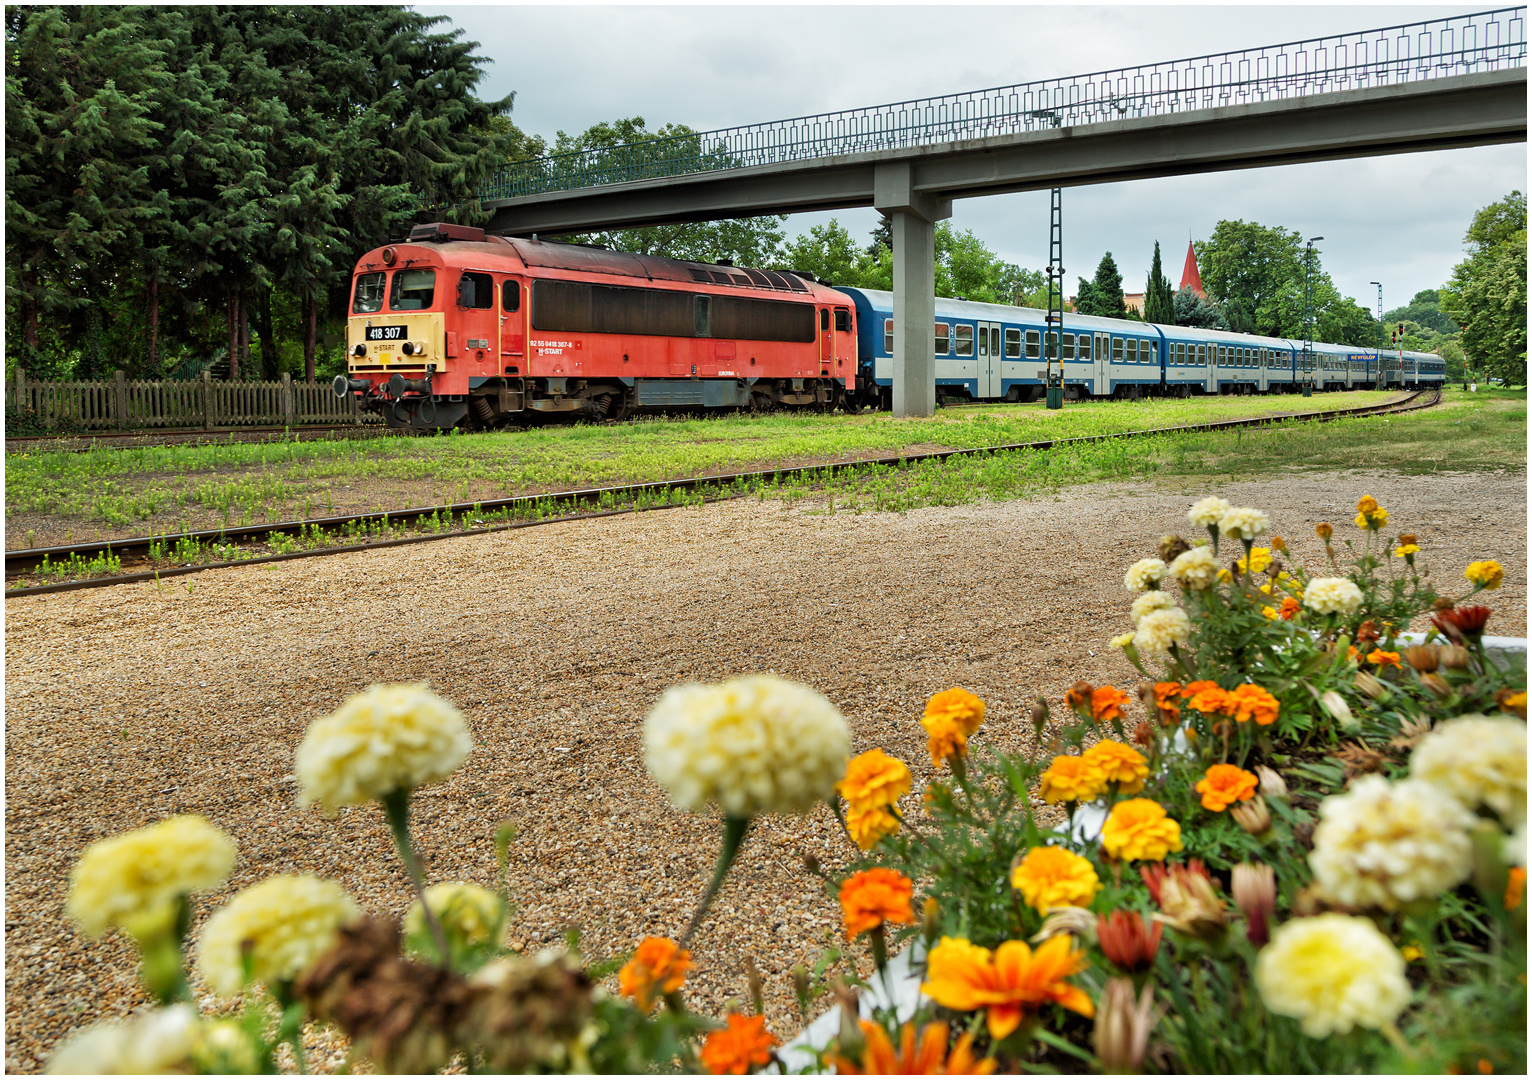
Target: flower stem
[[734, 829], [396, 807]]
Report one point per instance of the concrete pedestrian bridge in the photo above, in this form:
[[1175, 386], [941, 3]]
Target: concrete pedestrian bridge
[[1424, 86]]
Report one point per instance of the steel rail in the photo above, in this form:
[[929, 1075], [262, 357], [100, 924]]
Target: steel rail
[[148, 440], [22, 560]]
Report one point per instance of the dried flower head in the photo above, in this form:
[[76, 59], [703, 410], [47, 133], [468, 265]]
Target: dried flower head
[[1077, 697], [1272, 784], [1121, 1036], [1422, 658], [1324, 531], [1254, 886], [1170, 547], [1359, 759], [1066, 919], [529, 1015], [1252, 816], [1189, 903]]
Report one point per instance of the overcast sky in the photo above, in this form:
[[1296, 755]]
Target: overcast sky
[[1398, 219]]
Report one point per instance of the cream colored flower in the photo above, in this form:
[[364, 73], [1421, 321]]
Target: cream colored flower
[[284, 923], [1244, 522], [1158, 630], [1153, 600], [1513, 849], [161, 1041], [757, 745], [1327, 595], [1122, 641], [134, 879], [1196, 569], [385, 739], [471, 916], [1479, 760], [1209, 511], [1383, 844], [1332, 973], [1144, 574]]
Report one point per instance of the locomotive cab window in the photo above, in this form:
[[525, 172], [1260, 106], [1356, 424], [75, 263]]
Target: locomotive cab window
[[824, 318], [1034, 345], [888, 337], [412, 290], [943, 339], [475, 291], [965, 341], [369, 293], [510, 296], [842, 321]]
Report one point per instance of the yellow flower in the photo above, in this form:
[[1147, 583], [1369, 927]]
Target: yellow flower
[[757, 745], [1118, 764], [958, 706], [1369, 514], [1007, 983], [283, 924], [162, 1041], [1260, 559], [1332, 973], [874, 780], [134, 880], [1070, 779], [1404, 550], [1269, 612], [1480, 761], [1411, 953], [1052, 877], [1139, 829], [472, 917], [944, 738], [385, 739], [1487, 573]]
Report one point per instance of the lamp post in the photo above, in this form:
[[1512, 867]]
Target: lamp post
[[1378, 357], [1308, 317]]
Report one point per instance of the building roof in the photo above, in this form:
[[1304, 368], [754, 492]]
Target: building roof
[[1190, 278]]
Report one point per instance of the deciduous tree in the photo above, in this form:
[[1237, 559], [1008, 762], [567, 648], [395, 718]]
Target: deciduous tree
[[1487, 295]]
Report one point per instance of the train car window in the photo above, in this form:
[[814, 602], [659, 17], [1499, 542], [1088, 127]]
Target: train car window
[[1068, 348], [994, 341], [702, 317], [964, 340], [762, 320], [842, 321], [824, 318], [1084, 347], [1012, 343], [412, 290], [1202, 355], [510, 296], [943, 339], [475, 291], [369, 293], [888, 336], [1117, 350], [1180, 352], [1034, 345], [608, 309], [1051, 345], [1154, 352], [1132, 350]]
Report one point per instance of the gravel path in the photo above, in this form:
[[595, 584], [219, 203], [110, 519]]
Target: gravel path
[[131, 703]]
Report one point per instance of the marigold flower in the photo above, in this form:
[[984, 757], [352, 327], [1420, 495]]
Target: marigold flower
[[1512, 701], [1515, 887], [1205, 696], [1144, 574], [944, 738], [1269, 612], [1189, 903], [1244, 522], [1159, 630], [1332, 973], [1122, 641], [1167, 697], [1250, 702], [472, 917], [870, 898], [1382, 844], [1369, 515], [1118, 764], [1260, 559], [1106, 704], [1487, 573], [1290, 608], [1278, 544], [756, 745], [1139, 829], [742, 1046], [1480, 761], [1332, 595], [874, 780], [1006, 983], [1153, 600], [1207, 512], [929, 1059], [1324, 531], [1070, 779], [134, 879], [283, 924], [1195, 569], [1404, 551], [385, 739], [1129, 940], [959, 706], [1078, 696], [1366, 504], [163, 1041], [1053, 877], [1383, 659], [867, 825], [1225, 784], [658, 966]]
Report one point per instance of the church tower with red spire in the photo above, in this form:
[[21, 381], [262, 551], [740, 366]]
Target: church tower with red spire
[[1190, 278]]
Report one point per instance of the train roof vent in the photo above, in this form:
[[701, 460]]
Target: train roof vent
[[759, 278], [720, 277], [740, 279], [701, 275], [441, 231], [776, 279]]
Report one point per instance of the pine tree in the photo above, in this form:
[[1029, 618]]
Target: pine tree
[[1103, 295], [1159, 299]]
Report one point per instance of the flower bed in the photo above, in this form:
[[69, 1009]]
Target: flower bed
[[1299, 847]]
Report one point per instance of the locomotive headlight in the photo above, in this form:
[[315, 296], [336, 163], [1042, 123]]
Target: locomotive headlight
[[413, 348], [360, 350]]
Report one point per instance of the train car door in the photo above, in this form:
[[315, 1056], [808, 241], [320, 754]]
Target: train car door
[[512, 322], [844, 366], [826, 339], [988, 383], [1103, 365], [477, 322]]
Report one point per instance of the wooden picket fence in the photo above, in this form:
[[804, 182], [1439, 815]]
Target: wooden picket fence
[[207, 403]]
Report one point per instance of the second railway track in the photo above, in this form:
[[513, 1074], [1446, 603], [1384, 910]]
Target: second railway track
[[122, 558]]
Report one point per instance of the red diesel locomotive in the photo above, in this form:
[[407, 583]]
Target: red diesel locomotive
[[454, 326]]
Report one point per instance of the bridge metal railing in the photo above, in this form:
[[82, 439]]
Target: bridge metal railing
[[1464, 44]]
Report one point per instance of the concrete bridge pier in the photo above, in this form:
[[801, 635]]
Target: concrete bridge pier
[[914, 233]]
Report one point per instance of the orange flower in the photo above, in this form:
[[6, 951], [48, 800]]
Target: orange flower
[[1290, 607], [1052, 877], [1078, 696], [1515, 888], [1106, 704], [944, 738], [1205, 696], [1140, 829], [1166, 695], [959, 706], [658, 964], [1278, 544], [1324, 531], [870, 824], [1250, 702], [1118, 764], [874, 779], [743, 1045], [930, 1059], [873, 897], [1070, 779], [1008, 982], [1383, 659], [1225, 784]]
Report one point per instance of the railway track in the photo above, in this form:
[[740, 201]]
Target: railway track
[[145, 557], [85, 442]]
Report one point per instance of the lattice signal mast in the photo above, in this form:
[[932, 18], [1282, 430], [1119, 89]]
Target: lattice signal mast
[[1055, 379]]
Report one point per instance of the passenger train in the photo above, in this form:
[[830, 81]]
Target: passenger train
[[453, 326]]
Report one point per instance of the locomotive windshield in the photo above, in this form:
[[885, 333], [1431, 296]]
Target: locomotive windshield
[[369, 293], [413, 290]]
